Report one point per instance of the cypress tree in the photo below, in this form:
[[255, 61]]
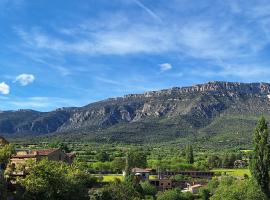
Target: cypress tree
[[128, 164], [189, 154], [260, 161]]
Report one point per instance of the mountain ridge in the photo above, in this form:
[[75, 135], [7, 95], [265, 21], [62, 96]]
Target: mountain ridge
[[179, 110]]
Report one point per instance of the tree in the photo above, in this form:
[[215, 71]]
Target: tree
[[117, 190], [128, 164], [226, 161], [63, 146], [55, 180], [135, 158], [5, 154], [205, 194], [189, 154], [118, 164], [232, 189], [174, 194], [103, 156], [214, 161], [149, 189], [213, 185], [170, 195], [259, 165], [138, 158]]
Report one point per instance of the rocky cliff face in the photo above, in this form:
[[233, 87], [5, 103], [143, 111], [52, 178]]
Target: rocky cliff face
[[187, 107]]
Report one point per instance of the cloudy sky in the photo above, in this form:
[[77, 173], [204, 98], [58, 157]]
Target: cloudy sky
[[58, 53]]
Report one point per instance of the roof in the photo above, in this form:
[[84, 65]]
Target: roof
[[196, 186], [44, 152], [24, 156], [35, 153], [140, 170], [71, 155]]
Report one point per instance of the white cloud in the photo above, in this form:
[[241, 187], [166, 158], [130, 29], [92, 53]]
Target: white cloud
[[4, 88], [209, 38], [133, 40], [165, 67], [201, 39], [25, 79]]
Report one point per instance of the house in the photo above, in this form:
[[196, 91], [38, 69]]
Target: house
[[193, 188], [144, 174], [37, 155], [162, 184]]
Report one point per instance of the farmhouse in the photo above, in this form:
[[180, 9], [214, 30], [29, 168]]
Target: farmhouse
[[193, 188], [37, 155], [142, 173], [162, 184]]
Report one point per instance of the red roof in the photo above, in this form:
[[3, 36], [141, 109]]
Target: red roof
[[24, 156], [44, 152], [34, 153]]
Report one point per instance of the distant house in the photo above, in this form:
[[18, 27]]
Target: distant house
[[3, 141], [162, 184], [193, 188], [144, 174], [37, 155]]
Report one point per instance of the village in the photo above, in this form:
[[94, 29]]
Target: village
[[186, 180]]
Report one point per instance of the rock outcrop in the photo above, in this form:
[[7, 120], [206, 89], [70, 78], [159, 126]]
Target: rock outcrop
[[187, 108]]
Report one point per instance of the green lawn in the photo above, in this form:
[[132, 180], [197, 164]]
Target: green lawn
[[112, 177], [233, 172]]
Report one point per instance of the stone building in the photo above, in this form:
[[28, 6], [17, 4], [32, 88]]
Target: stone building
[[37, 155]]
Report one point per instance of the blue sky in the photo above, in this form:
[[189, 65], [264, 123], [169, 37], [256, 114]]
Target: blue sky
[[59, 53]]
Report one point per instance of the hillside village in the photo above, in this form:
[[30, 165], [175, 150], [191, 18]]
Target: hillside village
[[134, 100], [193, 178], [19, 159]]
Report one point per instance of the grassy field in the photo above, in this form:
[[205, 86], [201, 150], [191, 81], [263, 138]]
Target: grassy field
[[233, 172], [112, 177]]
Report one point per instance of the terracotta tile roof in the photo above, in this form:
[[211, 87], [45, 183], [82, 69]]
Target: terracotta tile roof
[[44, 152], [24, 156], [35, 153]]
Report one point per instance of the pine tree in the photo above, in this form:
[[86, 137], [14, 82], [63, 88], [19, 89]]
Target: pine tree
[[261, 158], [189, 154]]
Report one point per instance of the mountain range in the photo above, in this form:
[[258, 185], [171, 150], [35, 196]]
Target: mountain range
[[224, 110]]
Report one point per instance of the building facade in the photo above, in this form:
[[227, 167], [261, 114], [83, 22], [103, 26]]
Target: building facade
[[37, 155]]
